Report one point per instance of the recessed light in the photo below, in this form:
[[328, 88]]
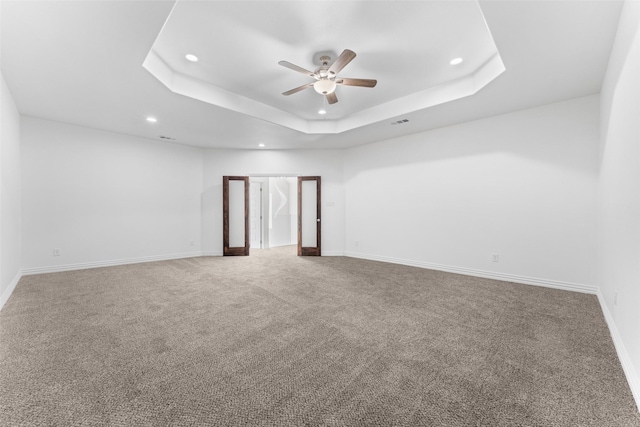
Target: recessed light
[[455, 61], [191, 57], [322, 111], [151, 119], [261, 145]]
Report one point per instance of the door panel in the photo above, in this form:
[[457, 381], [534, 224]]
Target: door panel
[[235, 215], [309, 225]]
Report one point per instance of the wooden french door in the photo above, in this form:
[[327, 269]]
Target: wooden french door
[[309, 224], [235, 215]]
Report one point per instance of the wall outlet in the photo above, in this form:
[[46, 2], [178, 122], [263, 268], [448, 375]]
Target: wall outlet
[[357, 243], [615, 298], [192, 243], [56, 252], [495, 258]]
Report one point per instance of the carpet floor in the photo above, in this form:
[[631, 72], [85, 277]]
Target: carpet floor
[[279, 340]]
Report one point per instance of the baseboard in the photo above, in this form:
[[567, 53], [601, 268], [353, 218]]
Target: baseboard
[[547, 283], [7, 293], [332, 253], [212, 254], [108, 263], [625, 360]]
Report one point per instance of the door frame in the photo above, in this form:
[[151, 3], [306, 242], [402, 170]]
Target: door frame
[[310, 250], [240, 250]]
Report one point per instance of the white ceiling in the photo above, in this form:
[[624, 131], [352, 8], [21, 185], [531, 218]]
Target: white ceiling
[[82, 63], [413, 73]]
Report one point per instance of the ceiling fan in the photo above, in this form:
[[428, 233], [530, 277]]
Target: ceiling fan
[[326, 76]]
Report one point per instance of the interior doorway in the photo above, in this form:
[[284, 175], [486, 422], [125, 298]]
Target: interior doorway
[[273, 215], [263, 212]]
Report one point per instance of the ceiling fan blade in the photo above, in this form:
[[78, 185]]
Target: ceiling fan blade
[[357, 82], [298, 89], [332, 98], [296, 68], [345, 57]]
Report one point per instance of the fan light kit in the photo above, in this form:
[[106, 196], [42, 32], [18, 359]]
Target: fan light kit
[[325, 86], [326, 76], [191, 57], [455, 61], [151, 119]]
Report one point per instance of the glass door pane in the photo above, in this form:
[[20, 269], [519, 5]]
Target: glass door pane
[[235, 215], [308, 214], [309, 225]]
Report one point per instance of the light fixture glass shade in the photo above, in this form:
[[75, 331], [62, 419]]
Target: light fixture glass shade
[[324, 86]]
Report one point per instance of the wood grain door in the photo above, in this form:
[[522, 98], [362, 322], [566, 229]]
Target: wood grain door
[[235, 215], [309, 224]]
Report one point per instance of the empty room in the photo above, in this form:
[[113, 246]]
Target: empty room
[[320, 213]]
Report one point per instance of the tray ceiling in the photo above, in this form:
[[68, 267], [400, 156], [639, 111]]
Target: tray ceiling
[[81, 62], [406, 46]]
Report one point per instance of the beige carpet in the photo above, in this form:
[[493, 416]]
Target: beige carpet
[[278, 340]]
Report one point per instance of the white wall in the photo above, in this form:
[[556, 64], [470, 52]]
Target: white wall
[[104, 198], [326, 163], [10, 194], [520, 185], [619, 194]]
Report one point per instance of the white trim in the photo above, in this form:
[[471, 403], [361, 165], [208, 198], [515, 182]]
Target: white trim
[[332, 253], [627, 366], [273, 175], [212, 254], [464, 86], [547, 283], [631, 375], [7, 293], [109, 263]]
